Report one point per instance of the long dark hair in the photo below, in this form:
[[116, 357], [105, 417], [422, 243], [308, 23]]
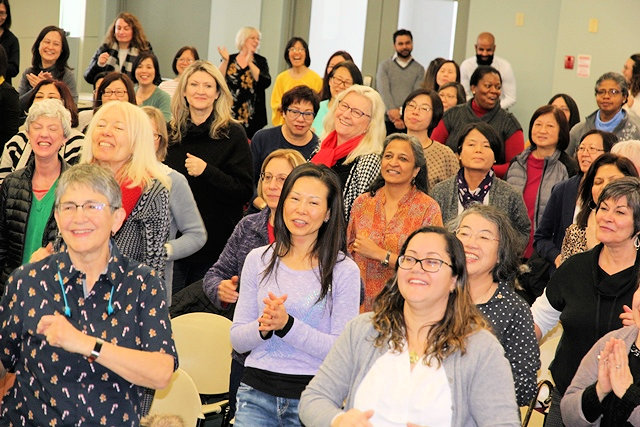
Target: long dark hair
[[326, 92], [437, 109], [65, 96], [61, 63], [331, 235], [584, 191], [7, 21], [110, 78], [634, 84], [561, 121], [574, 112], [353, 70], [157, 78]]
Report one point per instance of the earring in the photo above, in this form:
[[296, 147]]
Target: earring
[[636, 242], [592, 205], [413, 181]]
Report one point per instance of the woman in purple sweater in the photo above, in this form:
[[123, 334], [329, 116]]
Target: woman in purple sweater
[[297, 296], [255, 230]]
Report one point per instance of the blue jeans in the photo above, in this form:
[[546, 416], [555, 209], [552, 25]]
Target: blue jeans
[[255, 408]]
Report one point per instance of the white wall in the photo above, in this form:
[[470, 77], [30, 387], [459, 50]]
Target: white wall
[[432, 23], [226, 19]]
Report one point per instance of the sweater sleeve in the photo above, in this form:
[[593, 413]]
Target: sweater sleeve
[[69, 79], [13, 57], [157, 231], [322, 399], [24, 89], [440, 133], [185, 213], [545, 316], [11, 154], [383, 86], [490, 371], [264, 78], [93, 69], [276, 99], [344, 307], [234, 178], [244, 330], [227, 266]]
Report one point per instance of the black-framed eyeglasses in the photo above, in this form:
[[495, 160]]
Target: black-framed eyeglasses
[[430, 265], [306, 115], [118, 92], [339, 82], [355, 113]]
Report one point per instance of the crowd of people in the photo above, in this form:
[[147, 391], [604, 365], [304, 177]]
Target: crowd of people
[[389, 255]]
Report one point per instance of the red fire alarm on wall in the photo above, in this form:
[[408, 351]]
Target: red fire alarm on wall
[[569, 60]]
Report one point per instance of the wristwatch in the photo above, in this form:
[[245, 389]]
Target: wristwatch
[[95, 353], [385, 261]]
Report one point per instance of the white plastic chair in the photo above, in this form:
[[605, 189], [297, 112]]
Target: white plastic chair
[[181, 398]]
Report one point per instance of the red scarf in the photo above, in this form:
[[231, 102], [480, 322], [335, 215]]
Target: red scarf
[[130, 195], [330, 152]]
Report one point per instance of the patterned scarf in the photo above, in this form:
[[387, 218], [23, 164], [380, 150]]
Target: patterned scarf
[[468, 197], [127, 67]]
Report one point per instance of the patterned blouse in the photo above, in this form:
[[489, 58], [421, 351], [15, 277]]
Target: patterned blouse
[[242, 87], [415, 210], [574, 242], [442, 163], [54, 387]]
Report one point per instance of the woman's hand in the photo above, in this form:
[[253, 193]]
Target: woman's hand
[[103, 58], [42, 253], [195, 165], [353, 418], [603, 385], [619, 372], [227, 290], [274, 316], [34, 79], [60, 333], [626, 316], [366, 247], [224, 53]]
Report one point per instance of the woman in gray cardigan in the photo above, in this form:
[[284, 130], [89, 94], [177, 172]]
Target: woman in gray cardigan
[[475, 182], [424, 327]]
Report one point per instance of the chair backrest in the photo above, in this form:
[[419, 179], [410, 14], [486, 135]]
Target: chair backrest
[[180, 397], [204, 350]]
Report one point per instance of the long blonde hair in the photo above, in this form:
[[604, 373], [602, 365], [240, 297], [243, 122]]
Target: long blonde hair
[[142, 167], [221, 106], [376, 132]]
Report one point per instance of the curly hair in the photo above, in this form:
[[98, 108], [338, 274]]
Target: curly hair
[[138, 39], [446, 336]]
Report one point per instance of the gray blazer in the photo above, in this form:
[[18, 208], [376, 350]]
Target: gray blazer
[[481, 384], [501, 195]]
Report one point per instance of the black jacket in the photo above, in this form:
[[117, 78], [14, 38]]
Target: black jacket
[[15, 205]]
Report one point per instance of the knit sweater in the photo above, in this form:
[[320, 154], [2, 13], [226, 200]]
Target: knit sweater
[[161, 100], [10, 112], [316, 324], [481, 385], [12, 47], [223, 188], [394, 83], [145, 231], [186, 219], [501, 195]]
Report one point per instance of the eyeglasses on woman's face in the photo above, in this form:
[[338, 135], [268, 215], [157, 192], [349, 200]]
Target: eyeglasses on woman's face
[[430, 265]]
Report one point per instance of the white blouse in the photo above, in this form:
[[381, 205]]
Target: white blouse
[[399, 395]]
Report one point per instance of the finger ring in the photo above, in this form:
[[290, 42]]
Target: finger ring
[[617, 366]]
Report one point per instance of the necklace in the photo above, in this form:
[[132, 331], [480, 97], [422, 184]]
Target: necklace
[[414, 357], [428, 145]]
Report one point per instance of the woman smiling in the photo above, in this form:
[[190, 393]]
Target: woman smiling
[[146, 73]]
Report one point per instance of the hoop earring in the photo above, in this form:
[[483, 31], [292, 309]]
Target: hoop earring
[[636, 242]]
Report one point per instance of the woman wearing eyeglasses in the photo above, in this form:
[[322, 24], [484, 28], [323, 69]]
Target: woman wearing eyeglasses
[[247, 75], [611, 92], [296, 55], [354, 132], [395, 205], [342, 76], [424, 356], [421, 112], [88, 312], [491, 247]]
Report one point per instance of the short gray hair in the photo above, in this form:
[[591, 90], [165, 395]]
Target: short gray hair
[[97, 178], [629, 187], [243, 34], [52, 108], [616, 77]]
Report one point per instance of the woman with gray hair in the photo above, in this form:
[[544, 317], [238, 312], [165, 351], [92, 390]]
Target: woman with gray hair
[[491, 246], [395, 205], [612, 92], [588, 291], [88, 312], [27, 195], [247, 75]]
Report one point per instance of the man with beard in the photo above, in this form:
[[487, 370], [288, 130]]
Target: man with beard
[[485, 49], [397, 77]]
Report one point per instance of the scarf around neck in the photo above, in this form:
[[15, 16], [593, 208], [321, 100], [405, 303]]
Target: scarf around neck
[[468, 197], [330, 152]]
